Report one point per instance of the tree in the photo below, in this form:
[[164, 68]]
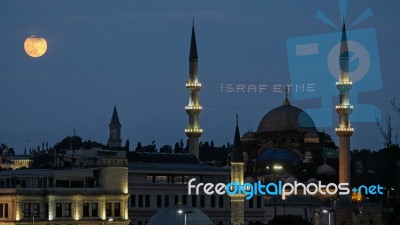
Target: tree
[[127, 145], [396, 106], [386, 134], [166, 149], [139, 147]]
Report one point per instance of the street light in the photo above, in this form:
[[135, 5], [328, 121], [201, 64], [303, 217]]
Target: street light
[[388, 196], [109, 220], [329, 214], [180, 211], [276, 168]]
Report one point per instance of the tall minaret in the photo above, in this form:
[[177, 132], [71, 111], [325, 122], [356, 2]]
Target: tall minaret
[[114, 140], [344, 109], [193, 109], [237, 174]]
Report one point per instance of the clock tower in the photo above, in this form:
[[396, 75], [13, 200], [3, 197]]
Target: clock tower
[[114, 140]]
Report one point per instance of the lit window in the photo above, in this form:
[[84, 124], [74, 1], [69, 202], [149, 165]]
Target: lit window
[[117, 209]]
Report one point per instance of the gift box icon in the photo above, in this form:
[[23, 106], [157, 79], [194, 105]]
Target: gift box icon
[[315, 59]]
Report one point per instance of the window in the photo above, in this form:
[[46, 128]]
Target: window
[[36, 209], [67, 210], [166, 201], [161, 179], [194, 200], [176, 199], [212, 201], [221, 201], [202, 201], [95, 209], [85, 210], [140, 203], [159, 201], [133, 201], [108, 209], [58, 210], [4, 210], [27, 210], [259, 202], [117, 209], [184, 200], [147, 201], [251, 203]]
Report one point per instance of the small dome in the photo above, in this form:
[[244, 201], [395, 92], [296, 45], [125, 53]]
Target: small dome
[[358, 165], [308, 157], [371, 172], [290, 180], [326, 170], [170, 215], [248, 136], [286, 117], [279, 154], [249, 180], [312, 180]]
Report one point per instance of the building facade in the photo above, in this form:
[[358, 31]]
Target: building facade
[[97, 195]]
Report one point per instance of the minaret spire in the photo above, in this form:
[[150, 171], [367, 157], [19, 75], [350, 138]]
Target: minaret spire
[[193, 109], [114, 140], [344, 109], [237, 175]]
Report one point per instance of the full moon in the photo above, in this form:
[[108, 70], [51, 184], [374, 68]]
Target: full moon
[[35, 46]]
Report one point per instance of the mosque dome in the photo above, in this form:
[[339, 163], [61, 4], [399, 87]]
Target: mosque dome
[[326, 170], [279, 154], [290, 180], [286, 117], [248, 136], [312, 180], [249, 180], [170, 215]]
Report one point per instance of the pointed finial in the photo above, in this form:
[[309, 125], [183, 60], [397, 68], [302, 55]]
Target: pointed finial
[[286, 101], [237, 119], [193, 21], [286, 91]]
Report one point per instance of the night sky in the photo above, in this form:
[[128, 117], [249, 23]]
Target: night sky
[[134, 54]]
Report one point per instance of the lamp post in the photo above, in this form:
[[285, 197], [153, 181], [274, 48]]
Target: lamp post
[[329, 214], [109, 220], [276, 168], [388, 196], [180, 211]]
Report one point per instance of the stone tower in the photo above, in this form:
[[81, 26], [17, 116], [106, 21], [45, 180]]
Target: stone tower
[[114, 140], [193, 109], [237, 174], [344, 109]]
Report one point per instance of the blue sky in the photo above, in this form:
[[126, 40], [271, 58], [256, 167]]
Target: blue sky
[[134, 54]]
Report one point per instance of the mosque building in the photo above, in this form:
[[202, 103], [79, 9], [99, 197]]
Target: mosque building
[[287, 144]]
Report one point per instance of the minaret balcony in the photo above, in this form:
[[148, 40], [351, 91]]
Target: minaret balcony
[[344, 107], [191, 85], [344, 129], [345, 83], [193, 131], [193, 107]]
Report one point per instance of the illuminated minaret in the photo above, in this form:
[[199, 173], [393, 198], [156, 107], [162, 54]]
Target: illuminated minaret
[[344, 109], [114, 140], [237, 174], [193, 109]]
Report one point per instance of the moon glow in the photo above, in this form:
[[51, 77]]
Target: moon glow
[[35, 46]]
